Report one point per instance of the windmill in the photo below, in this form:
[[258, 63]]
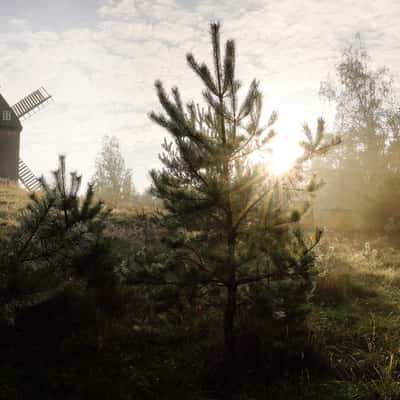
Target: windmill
[[11, 166]]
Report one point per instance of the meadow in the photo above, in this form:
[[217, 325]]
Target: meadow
[[67, 348]]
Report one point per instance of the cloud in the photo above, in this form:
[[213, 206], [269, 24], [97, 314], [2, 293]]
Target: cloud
[[102, 76]]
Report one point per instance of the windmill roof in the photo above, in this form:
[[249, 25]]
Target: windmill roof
[[8, 119]]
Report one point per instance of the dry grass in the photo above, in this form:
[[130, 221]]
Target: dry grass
[[12, 200], [351, 268]]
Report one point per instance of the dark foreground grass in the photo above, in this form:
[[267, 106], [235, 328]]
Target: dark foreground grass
[[69, 349]]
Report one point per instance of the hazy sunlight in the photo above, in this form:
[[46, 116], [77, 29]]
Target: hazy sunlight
[[284, 154], [280, 155]]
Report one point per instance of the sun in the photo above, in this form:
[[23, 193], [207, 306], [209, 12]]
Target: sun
[[284, 155], [280, 155]]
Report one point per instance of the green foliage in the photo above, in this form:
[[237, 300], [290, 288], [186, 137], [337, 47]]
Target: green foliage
[[230, 225], [55, 232]]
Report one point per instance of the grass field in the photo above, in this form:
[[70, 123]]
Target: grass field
[[355, 318]]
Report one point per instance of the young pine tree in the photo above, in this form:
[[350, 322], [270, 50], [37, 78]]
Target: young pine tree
[[56, 240], [228, 218]]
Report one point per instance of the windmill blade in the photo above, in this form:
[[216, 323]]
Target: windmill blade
[[32, 103], [28, 178]]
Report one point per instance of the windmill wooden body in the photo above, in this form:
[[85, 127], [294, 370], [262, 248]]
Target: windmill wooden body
[[11, 165]]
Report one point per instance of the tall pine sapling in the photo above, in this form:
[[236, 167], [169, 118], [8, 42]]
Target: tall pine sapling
[[228, 218]]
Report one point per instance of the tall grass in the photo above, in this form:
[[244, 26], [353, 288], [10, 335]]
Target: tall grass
[[356, 315], [12, 200]]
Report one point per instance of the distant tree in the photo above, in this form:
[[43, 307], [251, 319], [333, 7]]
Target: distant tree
[[367, 108], [229, 224], [112, 180], [368, 120]]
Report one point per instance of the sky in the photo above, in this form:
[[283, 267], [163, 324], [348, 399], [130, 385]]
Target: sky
[[99, 59]]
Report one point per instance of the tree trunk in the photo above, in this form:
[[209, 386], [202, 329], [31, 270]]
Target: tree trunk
[[229, 327]]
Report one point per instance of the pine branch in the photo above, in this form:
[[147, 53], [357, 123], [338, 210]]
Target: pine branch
[[35, 230], [248, 209]]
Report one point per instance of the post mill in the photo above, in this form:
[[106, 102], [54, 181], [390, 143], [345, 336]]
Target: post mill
[[11, 165]]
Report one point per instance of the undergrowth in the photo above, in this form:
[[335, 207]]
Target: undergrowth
[[352, 351]]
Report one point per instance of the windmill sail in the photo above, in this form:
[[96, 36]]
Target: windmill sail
[[28, 178], [31, 103]]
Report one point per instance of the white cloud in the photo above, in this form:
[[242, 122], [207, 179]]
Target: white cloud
[[102, 77]]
